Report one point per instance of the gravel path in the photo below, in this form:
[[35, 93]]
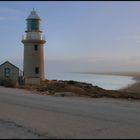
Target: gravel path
[[11, 130], [39, 116]]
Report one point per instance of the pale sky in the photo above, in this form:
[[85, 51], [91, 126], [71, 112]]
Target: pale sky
[[81, 36]]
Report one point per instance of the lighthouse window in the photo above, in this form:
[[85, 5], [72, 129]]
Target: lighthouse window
[[7, 72], [34, 24], [37, 70], [35, 47]]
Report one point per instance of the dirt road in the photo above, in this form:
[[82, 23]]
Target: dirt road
[[25, 115]]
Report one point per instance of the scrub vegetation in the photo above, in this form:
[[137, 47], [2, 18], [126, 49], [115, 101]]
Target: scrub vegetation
[[51, 87]]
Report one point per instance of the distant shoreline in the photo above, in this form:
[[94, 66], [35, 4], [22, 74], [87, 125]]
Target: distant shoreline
[[133, 74], [130, 88]]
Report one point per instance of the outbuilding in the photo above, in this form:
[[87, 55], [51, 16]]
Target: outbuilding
[[12, 72]]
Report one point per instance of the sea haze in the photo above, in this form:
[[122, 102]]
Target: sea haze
[[112, 82]]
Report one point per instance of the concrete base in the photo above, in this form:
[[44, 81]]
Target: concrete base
[[32, 81]]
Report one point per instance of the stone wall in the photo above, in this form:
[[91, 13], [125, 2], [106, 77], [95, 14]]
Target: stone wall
[[32, 81]]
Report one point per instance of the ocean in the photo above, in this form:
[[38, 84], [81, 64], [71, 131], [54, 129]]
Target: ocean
[[111, 82]]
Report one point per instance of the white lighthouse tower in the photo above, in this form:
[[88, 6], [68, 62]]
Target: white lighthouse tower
[[33, 50]]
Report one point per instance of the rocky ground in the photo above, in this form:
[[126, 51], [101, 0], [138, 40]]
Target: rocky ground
[[73, 88]]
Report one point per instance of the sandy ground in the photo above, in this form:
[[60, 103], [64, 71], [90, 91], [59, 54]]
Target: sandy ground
[[136, 86], [40, 116]]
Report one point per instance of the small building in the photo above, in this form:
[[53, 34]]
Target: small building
[[10, 71]]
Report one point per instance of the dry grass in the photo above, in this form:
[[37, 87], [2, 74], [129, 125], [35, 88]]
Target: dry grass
[[80, 89]]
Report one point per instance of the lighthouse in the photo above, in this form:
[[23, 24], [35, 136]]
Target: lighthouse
[[33, 41]]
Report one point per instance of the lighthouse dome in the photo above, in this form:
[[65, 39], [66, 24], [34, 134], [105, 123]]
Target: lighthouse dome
[[33, 15]]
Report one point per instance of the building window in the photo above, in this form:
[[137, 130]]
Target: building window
[[37, 70], [35, 47], [7, 72]]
